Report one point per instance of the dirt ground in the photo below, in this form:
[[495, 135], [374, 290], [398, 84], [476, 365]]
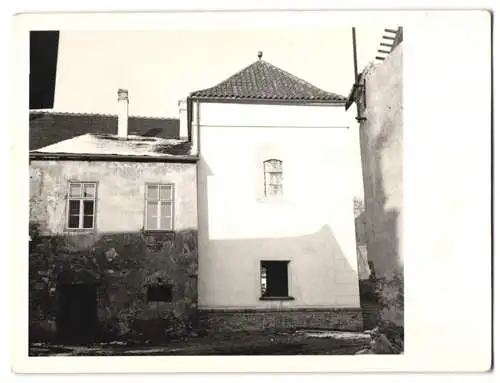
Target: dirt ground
[[291, 343]]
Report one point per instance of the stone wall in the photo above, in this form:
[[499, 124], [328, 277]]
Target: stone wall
[[121, 266], [258, 320], [381, 136]]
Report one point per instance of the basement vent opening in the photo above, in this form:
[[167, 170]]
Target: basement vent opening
[[159, 293]]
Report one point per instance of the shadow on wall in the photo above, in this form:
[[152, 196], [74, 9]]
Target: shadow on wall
[[382, 173], [386, 233], [387, 267], [116, 270], [301, 249]]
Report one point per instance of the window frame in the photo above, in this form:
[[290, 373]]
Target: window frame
[[266, 172], [158, 228], [80, 199]]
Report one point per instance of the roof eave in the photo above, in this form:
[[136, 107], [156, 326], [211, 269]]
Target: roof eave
[[235, 100], [110, 157]]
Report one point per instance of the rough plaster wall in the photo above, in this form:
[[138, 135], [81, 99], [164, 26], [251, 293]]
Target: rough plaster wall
[[121, 259], [120, 192], [382, 161]]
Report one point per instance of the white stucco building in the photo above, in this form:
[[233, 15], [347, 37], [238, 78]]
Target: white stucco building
[[275, 189]]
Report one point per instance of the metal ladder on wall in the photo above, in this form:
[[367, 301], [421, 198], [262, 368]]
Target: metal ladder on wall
[[391, 40]]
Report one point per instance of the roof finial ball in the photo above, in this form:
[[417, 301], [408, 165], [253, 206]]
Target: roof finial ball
[[259, 55]]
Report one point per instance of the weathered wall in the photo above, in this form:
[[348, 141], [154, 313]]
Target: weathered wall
[[382, 162], [312, 225], [118, 256], [255, 320], [120, 193]]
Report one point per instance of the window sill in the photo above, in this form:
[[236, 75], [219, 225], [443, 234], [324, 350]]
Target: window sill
[[158, 231], [78, 230], [276, 298], [169, 234]]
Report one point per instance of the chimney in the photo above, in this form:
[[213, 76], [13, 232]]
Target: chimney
[[195, 127], [183, 120], [122, 113]]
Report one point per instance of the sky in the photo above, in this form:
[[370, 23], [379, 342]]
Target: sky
[[160, 67]]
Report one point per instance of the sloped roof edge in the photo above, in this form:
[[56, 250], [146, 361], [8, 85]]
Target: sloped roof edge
[[262, 81]]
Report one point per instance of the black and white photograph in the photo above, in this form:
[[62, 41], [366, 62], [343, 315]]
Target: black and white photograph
[[216, 192], [251, 191]]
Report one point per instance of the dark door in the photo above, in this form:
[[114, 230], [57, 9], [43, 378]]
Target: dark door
[[77, 317]]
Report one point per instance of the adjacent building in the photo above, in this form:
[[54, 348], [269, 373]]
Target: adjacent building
[[379, 101], [113, 225]]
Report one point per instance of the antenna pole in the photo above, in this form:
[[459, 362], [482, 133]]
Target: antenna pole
[[356, 85], [355, 56]]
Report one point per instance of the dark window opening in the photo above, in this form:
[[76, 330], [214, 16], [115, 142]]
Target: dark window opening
[[274, 279], [159, 293]]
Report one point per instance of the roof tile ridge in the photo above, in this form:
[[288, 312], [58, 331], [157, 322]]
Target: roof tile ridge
[[302, 81], [227, 79]]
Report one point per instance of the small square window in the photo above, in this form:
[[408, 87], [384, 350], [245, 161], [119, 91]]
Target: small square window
[[159, 293], [274, 279]]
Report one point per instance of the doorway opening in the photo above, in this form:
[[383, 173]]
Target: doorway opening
[[77, 314]]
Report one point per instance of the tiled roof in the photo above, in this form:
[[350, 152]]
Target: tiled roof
[[47, 128], [263, 81]]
